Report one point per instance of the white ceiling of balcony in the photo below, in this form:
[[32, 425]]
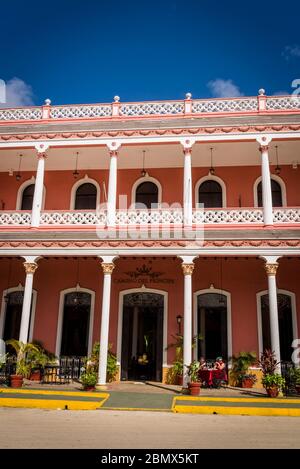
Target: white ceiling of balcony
[[156, 156]]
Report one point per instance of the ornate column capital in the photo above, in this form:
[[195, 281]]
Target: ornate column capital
[[41, 149], [271, 269], [113, 148], [188, 269], [107, 267], [30, 267], [187, 144], [263, 148]]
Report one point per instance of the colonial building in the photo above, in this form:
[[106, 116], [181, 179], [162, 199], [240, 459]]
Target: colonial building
[[127, 223]]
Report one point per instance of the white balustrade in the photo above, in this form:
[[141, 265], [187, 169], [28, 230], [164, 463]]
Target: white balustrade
[[283, 103], [286, 215], [75, 217], [201, 106], [172, 216], [15, 218], [150, 108], [21, 114], [80, 112]]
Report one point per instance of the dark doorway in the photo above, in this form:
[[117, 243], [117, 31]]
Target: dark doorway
[[86, 197], [147, 194], [76, 321], [212, 326], [276, 194], [142, 337], [27, 197], [13, 315], [285, 325], [210, 194]]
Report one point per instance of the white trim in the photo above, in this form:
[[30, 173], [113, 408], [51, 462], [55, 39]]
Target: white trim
[[120, 320], [229, 318], [3, 310], [146, 179], [85, 180], [259, 319], [280, 182], [61, 314], [210, 177], [21, 189]]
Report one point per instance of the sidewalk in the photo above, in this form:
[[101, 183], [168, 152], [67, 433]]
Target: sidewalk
[[149, 396]]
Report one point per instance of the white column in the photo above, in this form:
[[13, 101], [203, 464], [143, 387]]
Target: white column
[[112, 184], [266, 186], [187, 268], [38, 191], [271, 269], [187, 187], [30, 268], [108, 268]]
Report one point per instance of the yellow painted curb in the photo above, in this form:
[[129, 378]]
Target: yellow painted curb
[[258, 411], [51, 404], [236, 399], [53, 393]]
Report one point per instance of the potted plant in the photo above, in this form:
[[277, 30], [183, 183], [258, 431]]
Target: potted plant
[[195, 382], [240, 366], [23, 367], [294, 378], [89, 380], [92, 363], [273, 384], [38, 359], [248, 380], [175, 374]]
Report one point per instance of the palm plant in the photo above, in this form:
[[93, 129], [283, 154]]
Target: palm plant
[[23, 367]]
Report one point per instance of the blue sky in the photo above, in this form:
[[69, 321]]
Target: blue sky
[[80, 51]]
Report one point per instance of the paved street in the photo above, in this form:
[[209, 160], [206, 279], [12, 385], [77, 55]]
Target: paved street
[[34, 428]]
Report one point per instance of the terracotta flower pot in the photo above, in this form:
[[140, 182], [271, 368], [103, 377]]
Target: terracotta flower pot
[[35, 375], [16, 381], [247, 383], [194, 389], [89, 388], [273, 391]]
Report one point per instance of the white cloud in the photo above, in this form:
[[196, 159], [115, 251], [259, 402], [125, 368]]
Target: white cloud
[[220, 88], [291, 51], [17, 94]]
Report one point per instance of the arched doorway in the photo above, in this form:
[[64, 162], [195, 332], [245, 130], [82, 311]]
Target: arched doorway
[[75, 323], [86, 197], [11, 313], [142, 334], [213, 324], [27, 197], [146, 194], [210, 194], [276, 194], [286, 319]]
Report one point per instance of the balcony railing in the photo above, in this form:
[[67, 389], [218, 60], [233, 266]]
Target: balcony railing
[[158, 217], [190, 107]]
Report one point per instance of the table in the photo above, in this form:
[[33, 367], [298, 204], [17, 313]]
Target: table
[[211, 377]]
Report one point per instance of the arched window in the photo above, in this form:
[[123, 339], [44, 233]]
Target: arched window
[[276, 194], [86, 197], [27, 197], [210, 194], [147, 193]]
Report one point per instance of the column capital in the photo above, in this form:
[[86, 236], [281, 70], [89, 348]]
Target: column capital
[[188, 269], [264, 141], [271, 269], [30, 267], [107, 267], [41, 149], [113, 147], [187, 144]]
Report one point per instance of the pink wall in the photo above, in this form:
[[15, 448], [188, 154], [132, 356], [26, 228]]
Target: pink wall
[[242, 277], [239, 182]]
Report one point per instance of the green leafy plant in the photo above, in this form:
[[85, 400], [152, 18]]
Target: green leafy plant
[[193, 371], [294, 376], [240, 367], [273, 380], [88, 379], [92, 362], [23, 366]]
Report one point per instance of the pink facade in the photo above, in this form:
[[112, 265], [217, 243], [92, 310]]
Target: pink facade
[[216, 267]]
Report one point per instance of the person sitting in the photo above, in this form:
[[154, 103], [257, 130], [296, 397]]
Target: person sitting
[[203, 364], [219, 364]]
